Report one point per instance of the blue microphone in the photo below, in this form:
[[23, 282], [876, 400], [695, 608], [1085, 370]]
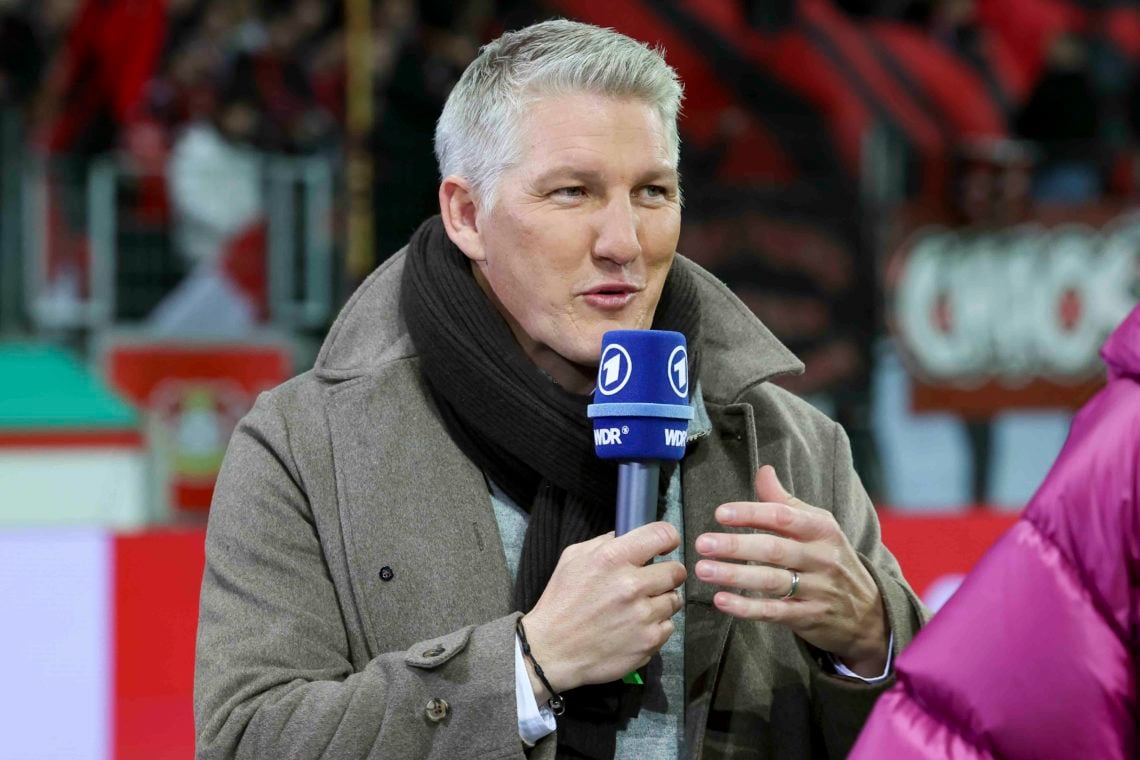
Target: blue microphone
[[641, 414]]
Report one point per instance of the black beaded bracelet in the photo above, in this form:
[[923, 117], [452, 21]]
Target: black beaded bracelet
[[556, 702]]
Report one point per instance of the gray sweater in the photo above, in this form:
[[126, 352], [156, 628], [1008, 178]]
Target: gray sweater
[[659, 730]]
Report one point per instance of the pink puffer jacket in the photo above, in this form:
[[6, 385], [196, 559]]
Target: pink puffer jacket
[[1036, 655]]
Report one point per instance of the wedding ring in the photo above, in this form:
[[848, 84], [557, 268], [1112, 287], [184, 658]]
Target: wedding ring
[[795, 585]]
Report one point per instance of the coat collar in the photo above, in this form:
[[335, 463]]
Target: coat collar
[[370, 332]]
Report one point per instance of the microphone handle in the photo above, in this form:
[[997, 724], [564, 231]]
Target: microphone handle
[[637, 495]]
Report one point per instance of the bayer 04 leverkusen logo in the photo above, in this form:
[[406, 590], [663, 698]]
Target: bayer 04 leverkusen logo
[[614, 370], [678, 369]]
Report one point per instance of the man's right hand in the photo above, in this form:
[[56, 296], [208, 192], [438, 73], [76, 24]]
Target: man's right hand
[[605, 612]]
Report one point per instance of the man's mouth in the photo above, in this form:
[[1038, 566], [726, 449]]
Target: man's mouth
[[611, 296]]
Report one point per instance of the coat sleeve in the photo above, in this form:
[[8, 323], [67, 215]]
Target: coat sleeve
[[274, 674], [842, 704]]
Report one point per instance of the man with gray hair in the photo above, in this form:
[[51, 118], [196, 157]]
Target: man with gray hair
[[410, 550]]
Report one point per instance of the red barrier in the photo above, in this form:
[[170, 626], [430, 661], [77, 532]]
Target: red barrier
[[157, 577], [935, 549]]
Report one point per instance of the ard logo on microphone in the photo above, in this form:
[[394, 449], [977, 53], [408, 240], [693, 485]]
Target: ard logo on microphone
[[679, 371], [614, 370]]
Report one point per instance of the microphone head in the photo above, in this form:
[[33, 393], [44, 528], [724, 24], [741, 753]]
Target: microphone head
[[641, 407]]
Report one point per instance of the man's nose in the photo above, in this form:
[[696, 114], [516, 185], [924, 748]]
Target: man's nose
[[617, 239]]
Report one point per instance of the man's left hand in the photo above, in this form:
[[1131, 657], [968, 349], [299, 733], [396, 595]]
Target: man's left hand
[[836, 606]]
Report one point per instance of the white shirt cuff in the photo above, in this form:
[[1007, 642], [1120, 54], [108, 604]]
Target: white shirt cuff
[[534, 722], [843, 670]]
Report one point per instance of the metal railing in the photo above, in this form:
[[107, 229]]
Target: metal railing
[[87, 295], [309, 305]]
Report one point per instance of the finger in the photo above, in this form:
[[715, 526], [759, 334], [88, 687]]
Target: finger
[[774, 582], [643, 544], [789, 612], [660, 578], [665, 606], [764, 548], [777, 517], [769, 488]]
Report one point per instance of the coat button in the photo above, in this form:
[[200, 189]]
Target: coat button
[[435, 651], [437, 710], [386, 573]]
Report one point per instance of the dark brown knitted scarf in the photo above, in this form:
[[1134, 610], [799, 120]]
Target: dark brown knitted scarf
[[530, 436]]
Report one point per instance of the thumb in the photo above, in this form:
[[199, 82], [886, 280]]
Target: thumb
[[643, 544], [769, 488]]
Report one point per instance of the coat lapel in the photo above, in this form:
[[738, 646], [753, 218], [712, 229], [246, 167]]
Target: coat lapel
[[420, 535]]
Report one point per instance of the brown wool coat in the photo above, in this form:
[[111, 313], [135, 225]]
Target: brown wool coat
[[354, 570]]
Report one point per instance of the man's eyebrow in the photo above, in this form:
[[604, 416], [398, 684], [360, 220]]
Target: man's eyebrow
[[657, 173], [569, 172]]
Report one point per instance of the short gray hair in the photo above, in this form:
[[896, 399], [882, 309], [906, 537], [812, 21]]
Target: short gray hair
[[476, 138]]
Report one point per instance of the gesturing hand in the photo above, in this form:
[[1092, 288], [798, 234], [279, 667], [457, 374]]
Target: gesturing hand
[[835, 604], [604, 612]]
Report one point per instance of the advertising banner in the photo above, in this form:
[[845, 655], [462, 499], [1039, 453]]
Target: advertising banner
[[193, 395], [990, 317]]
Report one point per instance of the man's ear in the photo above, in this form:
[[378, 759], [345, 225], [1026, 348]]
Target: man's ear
[[459, 210]]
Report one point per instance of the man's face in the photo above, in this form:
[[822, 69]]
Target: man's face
[[584, 230]]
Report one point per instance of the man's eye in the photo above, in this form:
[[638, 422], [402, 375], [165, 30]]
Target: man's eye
[[570, 192], [655, 191]]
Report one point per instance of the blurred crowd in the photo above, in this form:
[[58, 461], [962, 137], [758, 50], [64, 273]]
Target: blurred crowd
[[132, 75], [96, 74]]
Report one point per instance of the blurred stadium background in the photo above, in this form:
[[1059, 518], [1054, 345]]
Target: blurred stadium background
[[933, 203]]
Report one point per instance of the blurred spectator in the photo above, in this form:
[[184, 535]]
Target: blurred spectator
[[1124, 177], [315, 20], [215, 185], [204, 37], [294, 122], [181, 89], [956, 24], [426, 67], [56, 17], [952, 21], [1133, 106], [1063, 117], [328, 75], [215, 178], [102, 55], [99, 75], [21, 58]]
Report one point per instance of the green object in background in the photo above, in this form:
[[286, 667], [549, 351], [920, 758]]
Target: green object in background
[[70, 448], [45, 388], [633, 678]]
